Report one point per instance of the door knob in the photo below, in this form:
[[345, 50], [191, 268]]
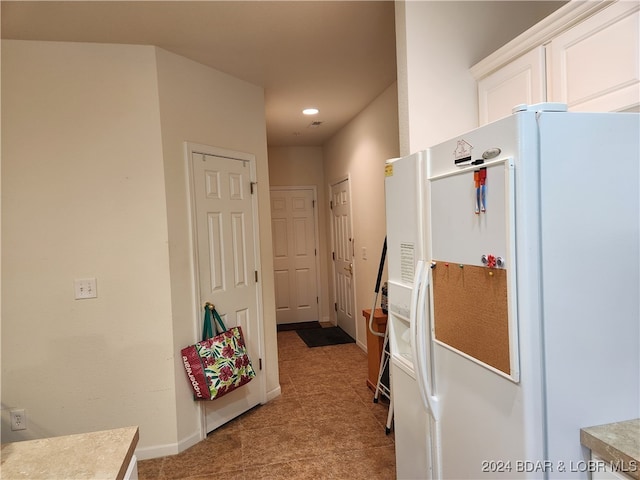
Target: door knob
[[349, 268]]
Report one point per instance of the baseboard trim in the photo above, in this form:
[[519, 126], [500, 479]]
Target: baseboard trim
[[146, 453], [275, 393]]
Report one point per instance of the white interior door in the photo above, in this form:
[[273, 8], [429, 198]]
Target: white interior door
[[225, 231], [293, 225], [343, 256]]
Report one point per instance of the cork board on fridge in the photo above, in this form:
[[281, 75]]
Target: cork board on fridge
[[470, 307]]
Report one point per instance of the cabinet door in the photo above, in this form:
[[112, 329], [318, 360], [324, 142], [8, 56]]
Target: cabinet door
[[602, 470], [594, 65], [520, 81]]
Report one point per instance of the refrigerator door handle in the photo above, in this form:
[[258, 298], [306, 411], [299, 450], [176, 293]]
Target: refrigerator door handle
[[418, 339], [423, 351], [413, 313], [422, 340], [418, 318], [416, 295]]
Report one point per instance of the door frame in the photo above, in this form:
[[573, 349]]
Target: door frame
[[190, 149], [314, 189], [334, 314]]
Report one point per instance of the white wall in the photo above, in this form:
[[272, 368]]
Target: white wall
[[94, 185], [303, 166], [83, 196], [360, 150], [436, 43]]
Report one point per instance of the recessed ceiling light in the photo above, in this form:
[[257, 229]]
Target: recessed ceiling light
[[310, 111]]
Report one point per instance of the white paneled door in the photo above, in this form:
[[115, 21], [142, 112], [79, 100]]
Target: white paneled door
[[293, 226], [226, 232], [521, 81], [343, 256]]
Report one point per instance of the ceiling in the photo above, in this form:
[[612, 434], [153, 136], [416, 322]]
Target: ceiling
[[334, 55]]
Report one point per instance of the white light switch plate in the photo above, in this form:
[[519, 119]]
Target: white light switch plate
[[85, 288]]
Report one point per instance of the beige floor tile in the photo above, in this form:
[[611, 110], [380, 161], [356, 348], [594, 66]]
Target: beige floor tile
[[279, 411], [376, 463], [310, 469], [236, 475], [150, 468], [213, 456]]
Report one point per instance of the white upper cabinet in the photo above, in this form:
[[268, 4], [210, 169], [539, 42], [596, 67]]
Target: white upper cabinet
[[594, 65], [520, 81], [586, 54]]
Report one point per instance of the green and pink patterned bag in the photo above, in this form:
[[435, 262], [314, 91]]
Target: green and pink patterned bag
[[218, 364]]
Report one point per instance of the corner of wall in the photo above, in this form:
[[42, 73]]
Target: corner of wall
[[402, 82]]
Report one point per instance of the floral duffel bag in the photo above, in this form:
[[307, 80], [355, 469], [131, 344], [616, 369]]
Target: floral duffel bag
[[219, 363]]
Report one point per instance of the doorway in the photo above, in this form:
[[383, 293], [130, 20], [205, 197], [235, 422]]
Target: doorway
[[343, 252]]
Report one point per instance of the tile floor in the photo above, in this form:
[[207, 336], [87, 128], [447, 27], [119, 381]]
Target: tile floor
[[323, 426]]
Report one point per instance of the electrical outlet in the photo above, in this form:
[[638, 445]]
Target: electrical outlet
[[18, 420], [85, 288]]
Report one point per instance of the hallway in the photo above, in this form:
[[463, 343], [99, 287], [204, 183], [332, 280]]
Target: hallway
[[323, 426]]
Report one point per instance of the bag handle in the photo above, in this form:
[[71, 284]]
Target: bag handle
[[207, 329], [210, 308], [216, 315]]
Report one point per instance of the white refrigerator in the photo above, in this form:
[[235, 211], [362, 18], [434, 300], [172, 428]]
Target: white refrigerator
[[514, 280]]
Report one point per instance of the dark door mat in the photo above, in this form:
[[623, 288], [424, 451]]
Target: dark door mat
[[285, 327], [321, 337]]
